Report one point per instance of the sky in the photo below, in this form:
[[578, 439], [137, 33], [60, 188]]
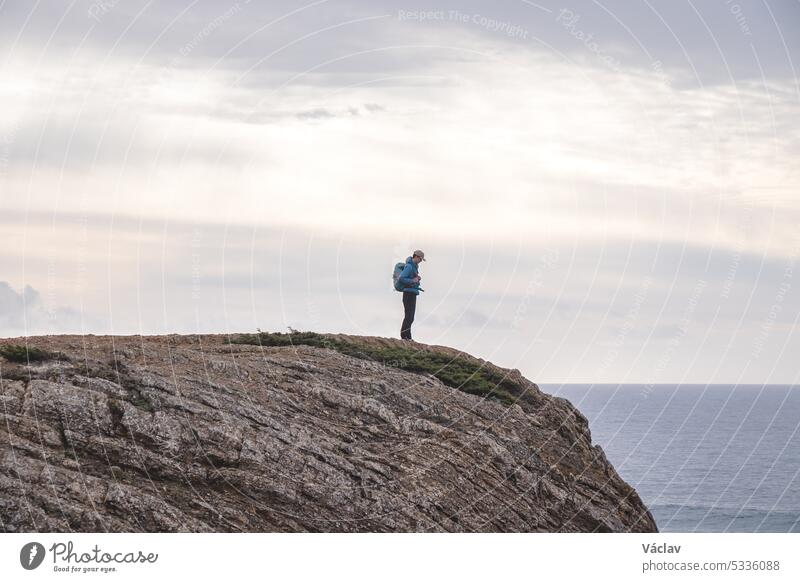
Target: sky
[[604, 191]]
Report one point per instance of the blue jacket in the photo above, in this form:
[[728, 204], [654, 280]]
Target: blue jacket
[[409, 272]]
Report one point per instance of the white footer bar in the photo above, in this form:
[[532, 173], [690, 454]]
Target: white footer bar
[[390, 557]]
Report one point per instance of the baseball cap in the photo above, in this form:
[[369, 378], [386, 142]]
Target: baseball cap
[[420, 254]]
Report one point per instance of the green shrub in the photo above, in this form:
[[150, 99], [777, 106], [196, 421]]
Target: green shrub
[[24, 354], [456, 372]]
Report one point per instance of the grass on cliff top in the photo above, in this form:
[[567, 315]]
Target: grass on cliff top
[[456, 372], [20, 354]]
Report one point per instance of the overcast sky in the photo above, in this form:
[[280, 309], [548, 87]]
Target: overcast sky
[[605, 191]]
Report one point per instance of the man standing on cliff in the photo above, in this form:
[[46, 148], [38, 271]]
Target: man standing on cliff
[[409, 283]]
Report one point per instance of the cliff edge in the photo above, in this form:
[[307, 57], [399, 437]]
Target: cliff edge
[[291, 432]]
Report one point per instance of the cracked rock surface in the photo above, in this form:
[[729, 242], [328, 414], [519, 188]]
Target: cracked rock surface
[[192, 434]]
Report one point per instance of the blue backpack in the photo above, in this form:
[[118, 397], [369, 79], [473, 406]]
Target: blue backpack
[[398, 269]]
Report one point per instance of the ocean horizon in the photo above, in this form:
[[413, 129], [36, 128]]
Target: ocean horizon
[[703, 457]]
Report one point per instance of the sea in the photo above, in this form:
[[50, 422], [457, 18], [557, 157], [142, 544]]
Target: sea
[[703, 457]]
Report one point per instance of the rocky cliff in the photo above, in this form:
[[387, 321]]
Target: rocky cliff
[[343, 433]]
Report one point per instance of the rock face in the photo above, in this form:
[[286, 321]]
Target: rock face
[[190, 433]]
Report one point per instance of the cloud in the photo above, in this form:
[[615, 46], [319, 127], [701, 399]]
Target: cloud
[[23, 313], [319, 113], [699, 40], [14, 306], [634, 151]]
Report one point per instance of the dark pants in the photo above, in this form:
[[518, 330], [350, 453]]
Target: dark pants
[[410, 306]]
